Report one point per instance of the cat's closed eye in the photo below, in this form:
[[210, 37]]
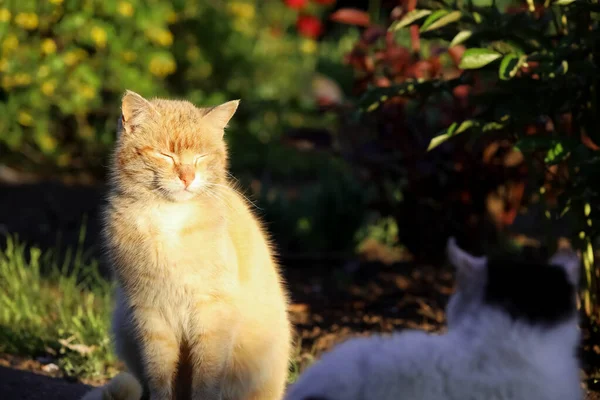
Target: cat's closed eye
[[199, 158], [167, 157]]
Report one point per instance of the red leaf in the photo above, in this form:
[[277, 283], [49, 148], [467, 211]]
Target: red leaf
[[295, 4], [461, 91], [351, 16], [309, 26], [588, 142], [456, 53]]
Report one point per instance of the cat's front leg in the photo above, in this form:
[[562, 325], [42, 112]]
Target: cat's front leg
[[160, 354], [210, 355], [211, 348]]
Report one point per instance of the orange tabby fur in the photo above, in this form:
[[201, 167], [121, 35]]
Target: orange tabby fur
[[201, 307]]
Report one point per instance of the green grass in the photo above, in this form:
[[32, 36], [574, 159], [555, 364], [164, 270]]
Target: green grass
[[55, 307], [62, 309]]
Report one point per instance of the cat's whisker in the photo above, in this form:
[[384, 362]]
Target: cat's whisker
[[219, 198], [225, 187]]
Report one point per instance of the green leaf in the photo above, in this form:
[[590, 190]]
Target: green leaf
[[560, 149], [409, 18], [440, 22], [436, 141], [433, 17], [564, 2], [452, 130], [556, 154], [492, 126], [509, 66], [506, 46], [464, 126], [461, 37], [556, 149], [477, 58]]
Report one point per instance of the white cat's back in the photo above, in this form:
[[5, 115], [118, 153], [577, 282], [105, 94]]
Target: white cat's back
[[415, 365]]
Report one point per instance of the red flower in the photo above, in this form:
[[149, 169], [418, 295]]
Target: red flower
[[295, 4], [325, 2], [309, 26]]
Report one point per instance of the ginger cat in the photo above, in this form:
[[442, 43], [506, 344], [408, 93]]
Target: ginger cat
[[201, 307]]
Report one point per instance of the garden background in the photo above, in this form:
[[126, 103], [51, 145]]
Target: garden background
[[368, 133]]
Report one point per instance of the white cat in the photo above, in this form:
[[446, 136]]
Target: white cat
[[512, 335]]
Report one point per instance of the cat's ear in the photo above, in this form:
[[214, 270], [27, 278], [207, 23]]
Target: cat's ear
[[567, 259], [463, 261], [220, 115], [134, 108]]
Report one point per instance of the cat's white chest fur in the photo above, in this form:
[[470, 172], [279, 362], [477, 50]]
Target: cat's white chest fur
[[184, 238], [170, 219]]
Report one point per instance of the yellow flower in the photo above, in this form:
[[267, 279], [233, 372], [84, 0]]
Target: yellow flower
[[27, 21], [125, 9], [162, 67], [165, 38], [71, 58], [25, 118], [80, 54], [3, 65], [88, 92], [7, 81], [160, 36], [129, 56], [22, 79], [192, 54], [10, 43], [49, 87], [47, 143], [48, 46], [98, 36], [4, 15], [56, 1], [308, 46], [242, 10]]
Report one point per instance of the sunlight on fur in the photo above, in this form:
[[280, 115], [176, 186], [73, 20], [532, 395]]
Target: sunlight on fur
[[201, 307]]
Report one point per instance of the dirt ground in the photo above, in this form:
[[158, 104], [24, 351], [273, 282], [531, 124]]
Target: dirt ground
[[332, 299], [329, 305]]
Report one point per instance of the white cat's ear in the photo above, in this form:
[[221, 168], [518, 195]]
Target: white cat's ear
[[133, 109], [462, 260], [222, 114], [568, 260]]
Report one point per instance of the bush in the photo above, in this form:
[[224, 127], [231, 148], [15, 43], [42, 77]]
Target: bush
[[525, 82], [64, 65]]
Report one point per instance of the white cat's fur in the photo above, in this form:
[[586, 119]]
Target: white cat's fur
[[483, 356]]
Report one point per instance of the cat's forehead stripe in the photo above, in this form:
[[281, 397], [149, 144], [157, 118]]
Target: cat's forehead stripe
[[537, 293]]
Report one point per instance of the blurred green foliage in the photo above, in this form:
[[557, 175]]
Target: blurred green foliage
[[65, 63]]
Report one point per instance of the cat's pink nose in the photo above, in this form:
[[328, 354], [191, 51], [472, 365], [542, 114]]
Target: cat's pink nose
[[187, 176]]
